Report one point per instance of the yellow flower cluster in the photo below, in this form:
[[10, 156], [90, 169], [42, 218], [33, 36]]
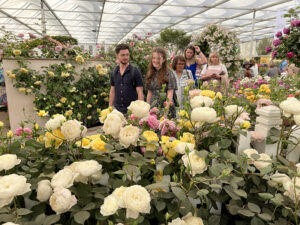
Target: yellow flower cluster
[[17, 52], [54, 138], [42, 113], [152, 140], [208, 93], [104, 113], [250, 94], [168, 147], [187, 137], [94, 142], [101, 70], [264, 88], [79, 59], [183, 113], [185, 123], [246, 125]]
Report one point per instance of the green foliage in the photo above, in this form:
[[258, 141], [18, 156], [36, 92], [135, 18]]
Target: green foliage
[[174, 38], [66, 40], [262, 44]]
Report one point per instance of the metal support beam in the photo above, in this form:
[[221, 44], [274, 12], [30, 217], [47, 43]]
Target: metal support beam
[[252, 33], [100, 20], [44, 31], [54, 14]]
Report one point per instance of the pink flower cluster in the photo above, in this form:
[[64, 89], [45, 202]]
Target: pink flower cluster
[[168, 127], [23, 131], [276, 42]]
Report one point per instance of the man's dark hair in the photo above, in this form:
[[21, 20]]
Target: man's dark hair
[[120, 47]]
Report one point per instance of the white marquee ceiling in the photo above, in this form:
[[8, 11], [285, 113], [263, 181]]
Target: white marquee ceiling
[[111, 21]]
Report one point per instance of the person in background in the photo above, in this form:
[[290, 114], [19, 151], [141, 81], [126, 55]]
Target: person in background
[[293, 70], [283, 67], [157, 75], [182, 75], [194, 57], [273, 71], [254, 67], [247, 71], [215, 70], [126, 81]]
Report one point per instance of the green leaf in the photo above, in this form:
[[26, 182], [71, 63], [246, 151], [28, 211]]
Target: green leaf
[[278, 199], [202, 192], [253, 207], [23, 211], [240, 192], [89, 206], [224, 143], [230, 191], [160, 205], [109, 147], [81, 217], [214, 219], [201, 154], [265, 196], [246, 212], [6, 217], [257, 221], [179, 193], [51, 219], [265, 216], [215, 186]]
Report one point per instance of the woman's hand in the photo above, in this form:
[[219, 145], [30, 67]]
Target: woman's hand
[[197, 49]]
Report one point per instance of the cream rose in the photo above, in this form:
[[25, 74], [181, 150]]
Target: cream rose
[[62, 200], [112, 125], [136, 200], [204, 114], [298, 168], [291, 191], [291, 106], [261, 162], [118, 193], [139, 109], [201, 101], [231, 110], [297, 119], [119, 114], [129, 135], [181, 146], [279, 178], [249, 152], [196, 163], [64, 178], [192, 220], [177, 221], [110, 206], [11, 186], [86, 168], [10, 223], [55, 123], [73, 129], [44, 190], [8, 161]]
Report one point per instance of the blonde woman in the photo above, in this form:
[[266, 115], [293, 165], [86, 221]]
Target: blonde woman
[[215, 70]]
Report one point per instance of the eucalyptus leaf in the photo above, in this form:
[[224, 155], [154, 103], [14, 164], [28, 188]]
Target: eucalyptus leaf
[[202, 192], [246, 212], [51, 219], [23, 211], [265, 216], [253, 207], [257, 221], [179, 193], [81, 216], [265, 196]]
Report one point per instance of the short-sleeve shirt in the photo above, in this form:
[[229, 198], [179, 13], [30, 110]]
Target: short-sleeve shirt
[[181, 84], [156, 89], [125, 86]]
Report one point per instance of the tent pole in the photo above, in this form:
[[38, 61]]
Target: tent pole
[[252, 34]]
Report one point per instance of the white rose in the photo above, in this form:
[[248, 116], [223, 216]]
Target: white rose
[[86, 168], [73, 129], [196, 163], [119, 114], [62, 200], [279, 178], [201, 101], [44, 190], [297, 119], [112, 125], [118, 193], [11, 186], [291, 191], [204, 114], [55, 123], [231, 110], [298, 168], [139, 108], [177, 221], [99, 178], [110, 206], [10, 223], [136, 200], [129, 135], [260, 163], [181, 146], [249, 152], [8, 161], [192, 220], [64, 178], [291, 106]]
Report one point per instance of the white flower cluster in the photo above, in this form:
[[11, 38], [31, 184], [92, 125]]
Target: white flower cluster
[[262, 162], [291, 107], [55, 123], [135, 199], [200, 101], [202, 115]]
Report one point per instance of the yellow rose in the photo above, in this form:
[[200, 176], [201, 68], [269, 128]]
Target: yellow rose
[[85, 143], [103, 94], [23, 70], [219, 95], [188, 124], [17, 52], [42, 113], [102, 72], [50, 73], [69, 113], [36, 126], [63, 74], [188, 137], [1, 124], [183, 113], [38, 82], [28, 90], [99, 145], [104, 113], [8, 72], [55, 138], [9, 134], [151, 137], [246, 125], [12, 76], [208, 93], [79, 58], [99, 67], [164, 139], [63, 100], [89, 106], [22, 90]]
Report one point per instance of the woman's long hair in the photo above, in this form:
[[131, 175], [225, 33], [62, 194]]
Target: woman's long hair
[[215, 53], [191, 47], [162, 73]]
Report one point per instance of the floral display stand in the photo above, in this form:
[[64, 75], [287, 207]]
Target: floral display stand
[[20, 106]]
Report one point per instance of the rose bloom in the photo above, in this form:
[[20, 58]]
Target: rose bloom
[[20, 35], [79, 58], [204, 114], [153, 122], [290, 55], [278, 34], [86, 168], [73, 129], [291, 191], [177, 221], [268, 49], [192, 220], [10, 186], [279, 178], [8, 161], [118, 193], [58, 48], [181, 147], [137, 200], [56, 122], [274, 54], [167, 127], [110, 206], [129, 135], [62, 200], [286, 30], [231, 110], [261, 162], [112, 125], [17, 52], [44, 190], [199, 101], [63, 178], [291, 106], [139, 108], [196, 163]]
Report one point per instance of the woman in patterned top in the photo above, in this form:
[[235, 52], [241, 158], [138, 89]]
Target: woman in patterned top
[[183, 77], [157, 75]]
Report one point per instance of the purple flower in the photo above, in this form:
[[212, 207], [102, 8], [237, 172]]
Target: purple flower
[[276, 42], [286, 30], [278, 34], [295, 23], [268, 49], [31, 35], [274, 54], [20, 35], [290, 55], [58, 48]]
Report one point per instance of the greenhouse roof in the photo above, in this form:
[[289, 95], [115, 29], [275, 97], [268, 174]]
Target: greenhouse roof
[[111, 21]]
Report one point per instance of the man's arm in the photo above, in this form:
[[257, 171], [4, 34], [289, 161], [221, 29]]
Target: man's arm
[[111, 96], [149, 94], [140, 93]]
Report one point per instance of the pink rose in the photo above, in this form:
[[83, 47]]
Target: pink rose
[[20, 35], [133, 117], [58, 48], [143, 149], [132, 43], [255, 136], [167, 127], [98, 46], [154, 111], [153, 123], [19, 131]]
